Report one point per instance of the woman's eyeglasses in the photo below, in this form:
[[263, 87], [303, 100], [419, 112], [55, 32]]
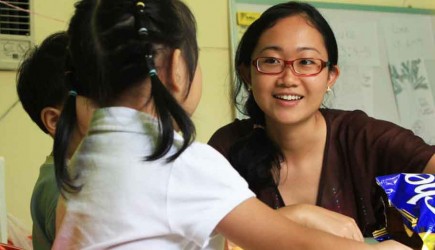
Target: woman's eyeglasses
[[299, 67]]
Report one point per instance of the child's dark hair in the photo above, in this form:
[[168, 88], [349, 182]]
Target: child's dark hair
[[41, 77], [126, 36], [82, 73], [256, 156]]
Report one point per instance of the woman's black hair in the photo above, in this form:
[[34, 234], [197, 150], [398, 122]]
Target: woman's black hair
[[256, 157], [125, 37]]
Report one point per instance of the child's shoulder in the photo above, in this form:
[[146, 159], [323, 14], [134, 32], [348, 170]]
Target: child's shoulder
[[202, 163], [202, 156], [204, 151]]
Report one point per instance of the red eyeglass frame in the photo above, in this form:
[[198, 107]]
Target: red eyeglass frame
[[324, 64]]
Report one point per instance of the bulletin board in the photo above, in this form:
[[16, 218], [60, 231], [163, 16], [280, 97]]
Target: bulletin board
[[386, 57]]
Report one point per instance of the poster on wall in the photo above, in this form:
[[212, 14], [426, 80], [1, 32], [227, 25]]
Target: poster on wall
[[359, 56], [409, 47]]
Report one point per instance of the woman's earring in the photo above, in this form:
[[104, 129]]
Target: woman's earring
[[249, 88], [328, 89]]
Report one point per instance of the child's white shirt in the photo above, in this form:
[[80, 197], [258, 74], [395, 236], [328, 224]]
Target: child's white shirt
[[127, 202]]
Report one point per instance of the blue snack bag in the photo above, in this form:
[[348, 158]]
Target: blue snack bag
[[413, 196]]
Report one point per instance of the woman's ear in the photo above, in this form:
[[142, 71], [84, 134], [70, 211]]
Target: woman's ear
[[50, 116], [245, 73], [333, 75]]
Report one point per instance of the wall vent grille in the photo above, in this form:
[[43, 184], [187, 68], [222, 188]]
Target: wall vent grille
[[16, 32], [14, 21]]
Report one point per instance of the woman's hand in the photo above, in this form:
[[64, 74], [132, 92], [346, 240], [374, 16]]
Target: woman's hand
[[323, 219]]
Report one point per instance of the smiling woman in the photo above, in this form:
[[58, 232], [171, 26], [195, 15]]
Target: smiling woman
[[291, 150], [286, 44]]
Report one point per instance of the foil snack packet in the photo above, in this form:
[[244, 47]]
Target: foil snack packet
[[412, 195]]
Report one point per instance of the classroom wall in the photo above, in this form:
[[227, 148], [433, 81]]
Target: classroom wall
[[24, 146]]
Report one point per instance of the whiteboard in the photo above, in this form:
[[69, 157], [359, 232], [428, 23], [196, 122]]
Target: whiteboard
[[386, 57]]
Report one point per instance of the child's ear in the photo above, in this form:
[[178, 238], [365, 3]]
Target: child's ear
[[178, 74], [50, 116]]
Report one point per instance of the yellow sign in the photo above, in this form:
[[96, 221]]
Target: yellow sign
[[246, 18]]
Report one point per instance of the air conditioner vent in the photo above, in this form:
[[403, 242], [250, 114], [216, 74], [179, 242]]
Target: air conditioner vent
[[14, 21], [16, 32]]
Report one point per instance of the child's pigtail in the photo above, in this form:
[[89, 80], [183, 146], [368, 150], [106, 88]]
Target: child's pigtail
[[167, 108], [64, 130]]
